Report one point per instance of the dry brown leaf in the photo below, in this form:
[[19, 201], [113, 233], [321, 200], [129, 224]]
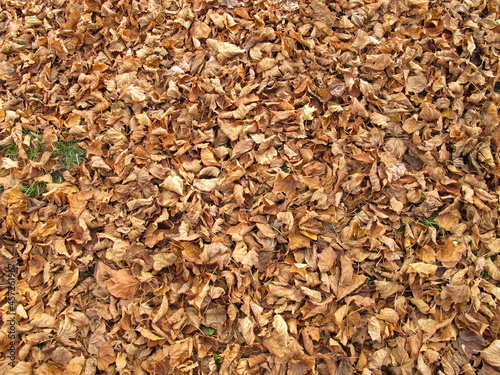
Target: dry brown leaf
[[224, 48], [200, 30], [374, 329], [173, 183], [457, 293], [261, 201], [297, 241], [286, 291], [429, 113], [163, 260], [378, 62], [241, 147], [98, 162], [278, 339], [387, 288], [423, 269], [416, 84], [78, 202], [451, 253], [285, 185], [246, 327], [123, 284], [448, 220], [180, 351], [491, 354], [68, 280], [21, 368], [106, 356], [215, 253], [43, 320]]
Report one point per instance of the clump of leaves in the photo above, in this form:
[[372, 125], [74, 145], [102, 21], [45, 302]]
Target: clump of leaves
[[69, 153], [211, 331], [36, 188], [9, 150]]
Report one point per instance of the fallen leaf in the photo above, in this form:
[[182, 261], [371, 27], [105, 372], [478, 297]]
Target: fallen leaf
[[423, 269], [106, 356], [163, 260], [224, 48], [173, 183], [491, 354], [68, 280], [123, 284], [416, 84], [451, 253]]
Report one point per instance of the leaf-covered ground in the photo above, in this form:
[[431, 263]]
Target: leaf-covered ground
[[251, 187]]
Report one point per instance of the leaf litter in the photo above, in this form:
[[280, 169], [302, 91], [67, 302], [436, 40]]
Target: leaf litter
[[251, 187]]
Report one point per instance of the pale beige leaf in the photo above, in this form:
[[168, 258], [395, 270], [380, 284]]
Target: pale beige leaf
[[416, 84], [374, 329], [200, 30], [121, 361], [173, 183], [378, 62], [98, 162], [163, 260], [246, 327], [8, 163], [491, 354], [43, 320], [388, 315], [224, 48], [134, 94], [423, 269], [21, 368], [206, 184]]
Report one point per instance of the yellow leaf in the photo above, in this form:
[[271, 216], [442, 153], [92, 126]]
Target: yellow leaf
[[312, 236]]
